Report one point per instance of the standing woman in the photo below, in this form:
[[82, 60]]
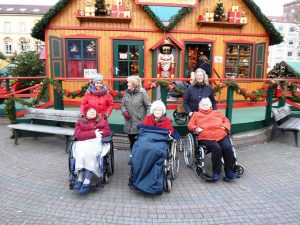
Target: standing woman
[[135, 106], [198, 90], [98, 96]]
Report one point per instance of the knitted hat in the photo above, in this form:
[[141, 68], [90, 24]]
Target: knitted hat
[[205, 100], [158, 104], [98, 77], [87, 107]]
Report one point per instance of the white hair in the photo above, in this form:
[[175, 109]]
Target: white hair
[[205, 100], [158, 104]]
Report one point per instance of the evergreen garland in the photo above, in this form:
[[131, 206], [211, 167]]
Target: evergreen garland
[[100, 8], [38, 31]]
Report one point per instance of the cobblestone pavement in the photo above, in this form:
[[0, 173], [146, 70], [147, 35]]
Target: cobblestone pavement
[[34, 189]]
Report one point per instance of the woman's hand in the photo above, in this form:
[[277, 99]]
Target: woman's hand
[[98, 133], [198, 130]]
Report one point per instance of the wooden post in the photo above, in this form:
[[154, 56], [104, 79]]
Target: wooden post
[[164, 94], [281, 101], [7, 86], [269, 105], [229, 102], [58, 99]]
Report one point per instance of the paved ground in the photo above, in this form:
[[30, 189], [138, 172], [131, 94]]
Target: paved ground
[[34, 189]]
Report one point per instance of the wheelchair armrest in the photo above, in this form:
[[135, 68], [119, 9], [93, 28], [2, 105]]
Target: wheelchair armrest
[[107, 139]]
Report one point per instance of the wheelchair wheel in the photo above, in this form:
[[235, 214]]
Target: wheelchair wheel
[[112, 158], [175, 160], [168, 184], [238, 169], [180, 118], [189, 150]]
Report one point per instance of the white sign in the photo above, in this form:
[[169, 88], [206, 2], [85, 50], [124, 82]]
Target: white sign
[[218, 59], [89, 73]]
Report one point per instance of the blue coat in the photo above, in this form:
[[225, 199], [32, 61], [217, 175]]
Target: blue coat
[[147, 161]]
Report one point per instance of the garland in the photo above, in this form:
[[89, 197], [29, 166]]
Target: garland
[[282, 89]]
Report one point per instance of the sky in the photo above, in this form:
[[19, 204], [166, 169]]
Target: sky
[[268, 7]]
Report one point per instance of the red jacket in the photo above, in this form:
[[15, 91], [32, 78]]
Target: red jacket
[[104, 103], [85, 129], [213, 123], [163, 122]]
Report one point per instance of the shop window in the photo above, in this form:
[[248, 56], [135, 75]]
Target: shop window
[[290, 54], [238, 60], [81, 57]]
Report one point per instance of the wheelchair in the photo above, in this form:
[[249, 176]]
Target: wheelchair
[[106, 163], [194, 154], [162, 159]]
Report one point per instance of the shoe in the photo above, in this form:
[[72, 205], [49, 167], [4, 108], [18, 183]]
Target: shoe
[[231, 176], [85, 188], [77, 185], [213, 178]]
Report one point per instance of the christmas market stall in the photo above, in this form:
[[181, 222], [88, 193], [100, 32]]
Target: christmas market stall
[[119, 38]]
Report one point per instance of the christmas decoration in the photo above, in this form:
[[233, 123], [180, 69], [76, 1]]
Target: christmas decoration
[[100, 8], [219, 12], [89, 8]]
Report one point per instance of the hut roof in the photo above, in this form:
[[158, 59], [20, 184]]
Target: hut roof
[[38, 31]]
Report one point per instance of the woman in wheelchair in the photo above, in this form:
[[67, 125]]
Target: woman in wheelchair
[[89, 131], [154, 160], [212, 128], [158, 117]]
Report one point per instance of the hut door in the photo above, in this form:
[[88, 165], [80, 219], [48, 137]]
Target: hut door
[[56, 57], [128, 60], [259, 59], [193, 53]]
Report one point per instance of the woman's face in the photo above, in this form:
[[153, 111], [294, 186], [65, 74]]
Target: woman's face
[[199, 77], [91, 113], [157, 112], [205, 106], [131, 85], [99, 85]]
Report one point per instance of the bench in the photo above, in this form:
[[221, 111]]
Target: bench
[[59, 121], [283, 121]]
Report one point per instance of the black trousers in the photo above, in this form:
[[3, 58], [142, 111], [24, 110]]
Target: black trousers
[[132, 139], [219, 149]]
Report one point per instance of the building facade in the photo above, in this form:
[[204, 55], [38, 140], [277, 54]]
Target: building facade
[[289, 49], [16, 22]]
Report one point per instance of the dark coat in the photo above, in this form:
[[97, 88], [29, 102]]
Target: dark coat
[[147, 161], [85, 129], [203, 65], [193, 96]]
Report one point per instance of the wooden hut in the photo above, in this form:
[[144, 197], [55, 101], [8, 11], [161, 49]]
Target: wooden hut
[[128, 38]]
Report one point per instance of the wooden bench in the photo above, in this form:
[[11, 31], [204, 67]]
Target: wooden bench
[[59, 121], [283, 121]]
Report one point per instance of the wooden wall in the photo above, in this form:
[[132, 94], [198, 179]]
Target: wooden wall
[[65, 24]]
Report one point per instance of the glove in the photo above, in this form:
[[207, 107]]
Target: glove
[[198, 130], [105, 116], [126, 115], [190, 114], [98, 133]]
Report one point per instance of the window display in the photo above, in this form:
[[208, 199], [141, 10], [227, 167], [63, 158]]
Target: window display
[[238, 60]]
